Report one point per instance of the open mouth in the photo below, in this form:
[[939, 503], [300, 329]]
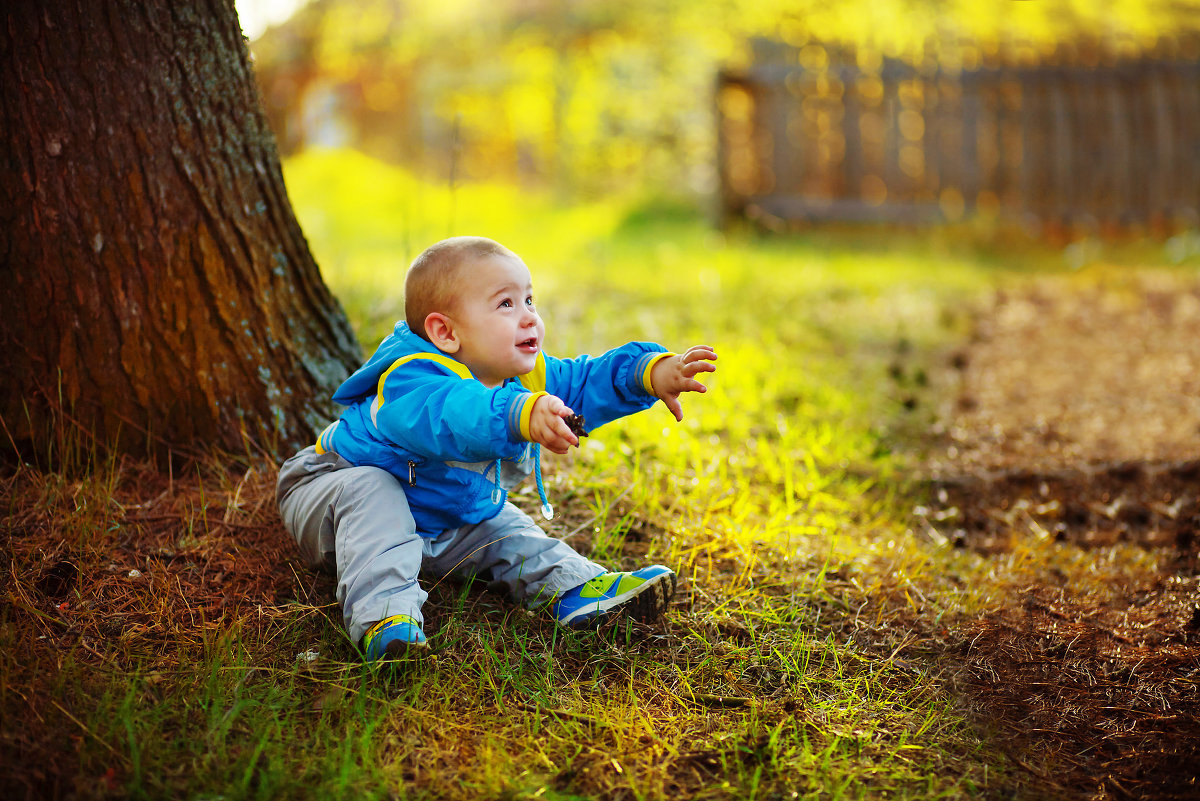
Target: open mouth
[[528, 344]]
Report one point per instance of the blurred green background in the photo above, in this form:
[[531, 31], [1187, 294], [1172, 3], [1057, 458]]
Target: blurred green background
[[593, 96]]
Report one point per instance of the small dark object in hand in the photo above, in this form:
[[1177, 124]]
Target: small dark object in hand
[[575, 423]]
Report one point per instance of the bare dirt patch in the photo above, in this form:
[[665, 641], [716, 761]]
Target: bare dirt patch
[[1074, 436]]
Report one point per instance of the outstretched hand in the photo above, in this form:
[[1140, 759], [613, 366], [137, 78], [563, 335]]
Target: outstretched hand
[[547, 427], [674, 375]]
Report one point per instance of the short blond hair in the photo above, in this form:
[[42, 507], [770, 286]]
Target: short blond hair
[[434, 279]]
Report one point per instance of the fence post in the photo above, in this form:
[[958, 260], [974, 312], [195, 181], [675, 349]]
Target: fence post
[[1161, 188], [852, 155], [1118, 156], [970, 139], [1063, 152]]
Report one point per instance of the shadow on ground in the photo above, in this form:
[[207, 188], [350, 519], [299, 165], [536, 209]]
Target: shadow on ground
[[1068, 462]]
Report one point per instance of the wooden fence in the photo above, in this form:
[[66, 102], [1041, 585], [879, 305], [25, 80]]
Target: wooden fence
[[1104, 144]]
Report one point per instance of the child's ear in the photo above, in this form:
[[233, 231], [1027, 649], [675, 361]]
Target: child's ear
[[440, 330]]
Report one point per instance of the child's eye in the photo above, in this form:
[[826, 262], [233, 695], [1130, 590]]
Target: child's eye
[[505, 304], [529, 300]]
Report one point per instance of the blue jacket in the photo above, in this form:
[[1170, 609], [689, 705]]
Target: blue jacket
[[456, 446]]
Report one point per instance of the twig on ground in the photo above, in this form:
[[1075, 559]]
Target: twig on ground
[[562, 713], [708, 699]]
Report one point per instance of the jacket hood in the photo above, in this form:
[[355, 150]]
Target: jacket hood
[[365, 380]]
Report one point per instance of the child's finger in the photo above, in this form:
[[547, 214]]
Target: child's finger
[[690, 370], [564, 433], [699, 352], [674, 407], [552, 438]]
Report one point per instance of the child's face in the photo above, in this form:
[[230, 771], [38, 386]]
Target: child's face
[[498, 329]]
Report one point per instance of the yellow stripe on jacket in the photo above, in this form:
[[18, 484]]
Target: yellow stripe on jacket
[[535, 379], [458, 368]]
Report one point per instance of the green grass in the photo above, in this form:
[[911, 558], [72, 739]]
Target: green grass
[[781, 499]]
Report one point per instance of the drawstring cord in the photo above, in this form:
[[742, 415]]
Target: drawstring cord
[[497, 493], [547, 509]]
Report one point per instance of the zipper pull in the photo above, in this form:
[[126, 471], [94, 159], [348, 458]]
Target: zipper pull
[[412, 473]]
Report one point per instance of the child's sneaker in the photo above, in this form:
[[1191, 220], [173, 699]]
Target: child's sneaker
[[393, 638], [642, 594]]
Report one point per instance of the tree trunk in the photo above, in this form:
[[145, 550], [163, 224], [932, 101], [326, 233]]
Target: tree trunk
[[159, 292]]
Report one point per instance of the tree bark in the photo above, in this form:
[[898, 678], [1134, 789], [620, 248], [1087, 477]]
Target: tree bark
[[159, 292]]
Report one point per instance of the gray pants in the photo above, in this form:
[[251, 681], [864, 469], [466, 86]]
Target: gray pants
[[355, 522]]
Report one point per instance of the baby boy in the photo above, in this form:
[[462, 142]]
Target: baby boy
[[447, 417]]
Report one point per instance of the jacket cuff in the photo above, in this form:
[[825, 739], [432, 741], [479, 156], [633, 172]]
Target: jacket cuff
[[645, 364], [520, 410]]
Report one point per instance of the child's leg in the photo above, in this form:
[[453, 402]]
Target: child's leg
[[514, 554], [356, 518]]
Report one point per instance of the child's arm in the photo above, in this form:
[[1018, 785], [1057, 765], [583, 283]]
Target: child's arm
[[672, 376], [625, 380], [620, 382], [605, 387]]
